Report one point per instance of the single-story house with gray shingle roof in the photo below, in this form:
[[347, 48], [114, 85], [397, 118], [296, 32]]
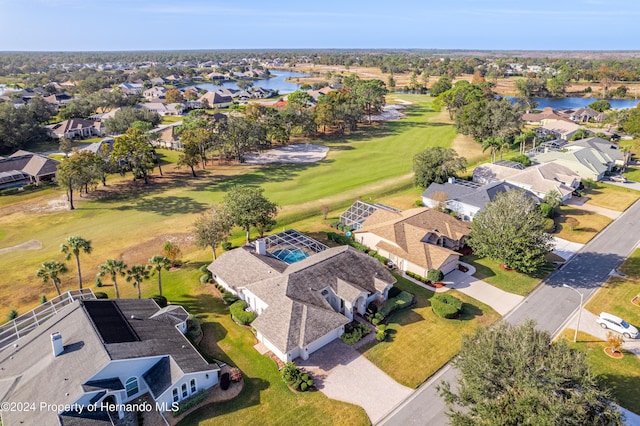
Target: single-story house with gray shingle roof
[[35, 166], [305, 305], [539, 179], [589, 158], [95, 352], [464, 199], [73, 128]]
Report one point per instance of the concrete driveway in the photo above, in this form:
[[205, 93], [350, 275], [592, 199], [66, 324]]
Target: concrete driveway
[[581, 203], [501, 301], [341, 373], [589, 325], [565, 249]]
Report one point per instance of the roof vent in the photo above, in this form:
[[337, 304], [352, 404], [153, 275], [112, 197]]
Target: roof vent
[[56, 343]]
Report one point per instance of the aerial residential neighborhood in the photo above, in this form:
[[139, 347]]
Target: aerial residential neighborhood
[[251, 221]]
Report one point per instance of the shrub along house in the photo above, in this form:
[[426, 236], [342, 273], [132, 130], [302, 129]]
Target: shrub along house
[[416, 240], [98, 352], [304, 304]]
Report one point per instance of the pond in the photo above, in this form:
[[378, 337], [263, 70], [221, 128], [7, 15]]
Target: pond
[[565, 103], [274, 83]]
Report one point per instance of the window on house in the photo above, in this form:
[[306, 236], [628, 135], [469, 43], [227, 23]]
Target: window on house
[[131, 386], [184, 391], [193, 385], [175, 395]]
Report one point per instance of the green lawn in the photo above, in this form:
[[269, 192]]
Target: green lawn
[[132, 221], [265, 396], [616, 294], [621, 376], [633, 174], [512, 281], [589, 224], [420, 342], [611, 196], [169, 119]]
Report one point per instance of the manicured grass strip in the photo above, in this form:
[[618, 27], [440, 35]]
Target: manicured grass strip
[[419, 342], [621, 376], [512, 281], [633, 174], [589, 224], [612, 197], [265, 398], [616, 294]]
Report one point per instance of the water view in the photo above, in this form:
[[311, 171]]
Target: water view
[[278, 82], [565, 103]]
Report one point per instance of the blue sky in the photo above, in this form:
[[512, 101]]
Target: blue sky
[[200, 24]]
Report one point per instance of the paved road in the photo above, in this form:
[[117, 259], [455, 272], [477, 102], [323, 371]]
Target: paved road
[[550, 305]]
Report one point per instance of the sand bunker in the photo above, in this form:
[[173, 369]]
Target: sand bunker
[[296, 153]]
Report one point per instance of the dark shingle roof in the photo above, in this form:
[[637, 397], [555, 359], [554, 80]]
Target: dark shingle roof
[[298, 313]]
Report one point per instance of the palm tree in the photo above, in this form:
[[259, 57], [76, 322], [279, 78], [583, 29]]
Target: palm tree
[[137, 274], [73, 246], [492, 144], [50, 271], [112, 268], [158, 263]]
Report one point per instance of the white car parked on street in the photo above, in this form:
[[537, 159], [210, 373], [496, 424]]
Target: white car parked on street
[[608, 321]]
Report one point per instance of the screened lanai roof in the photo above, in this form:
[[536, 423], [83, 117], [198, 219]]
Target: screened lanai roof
[[291, 246], [360, 211], [13, 178]]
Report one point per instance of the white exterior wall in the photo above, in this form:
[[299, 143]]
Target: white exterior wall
[[466, 211], [223, 284], [256, 304], [368, 239], [286, 357], [321, 342], [204, 380]]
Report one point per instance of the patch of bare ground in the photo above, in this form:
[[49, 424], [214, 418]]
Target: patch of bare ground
[[29, 245], [143, 251], [463, 144]]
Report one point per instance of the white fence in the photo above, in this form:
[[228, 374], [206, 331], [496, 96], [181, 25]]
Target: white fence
[[25, 323]]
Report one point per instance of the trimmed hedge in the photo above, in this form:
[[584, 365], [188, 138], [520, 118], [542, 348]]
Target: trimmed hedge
[[394, 291], [190, 402], [446, 306], [239, 314], [415, 276], [402, 300], [101, 295]]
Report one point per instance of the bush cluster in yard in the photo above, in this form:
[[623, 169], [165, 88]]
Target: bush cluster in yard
[[341, 227], [160, 300], [229, 298], [341, 239], [194, 329], [381, 333], [101, 295], [353, 334], [295, 378], [435, 275], [190, 402], [393, 292], [239, 314], [402, 300], [446, 306]]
